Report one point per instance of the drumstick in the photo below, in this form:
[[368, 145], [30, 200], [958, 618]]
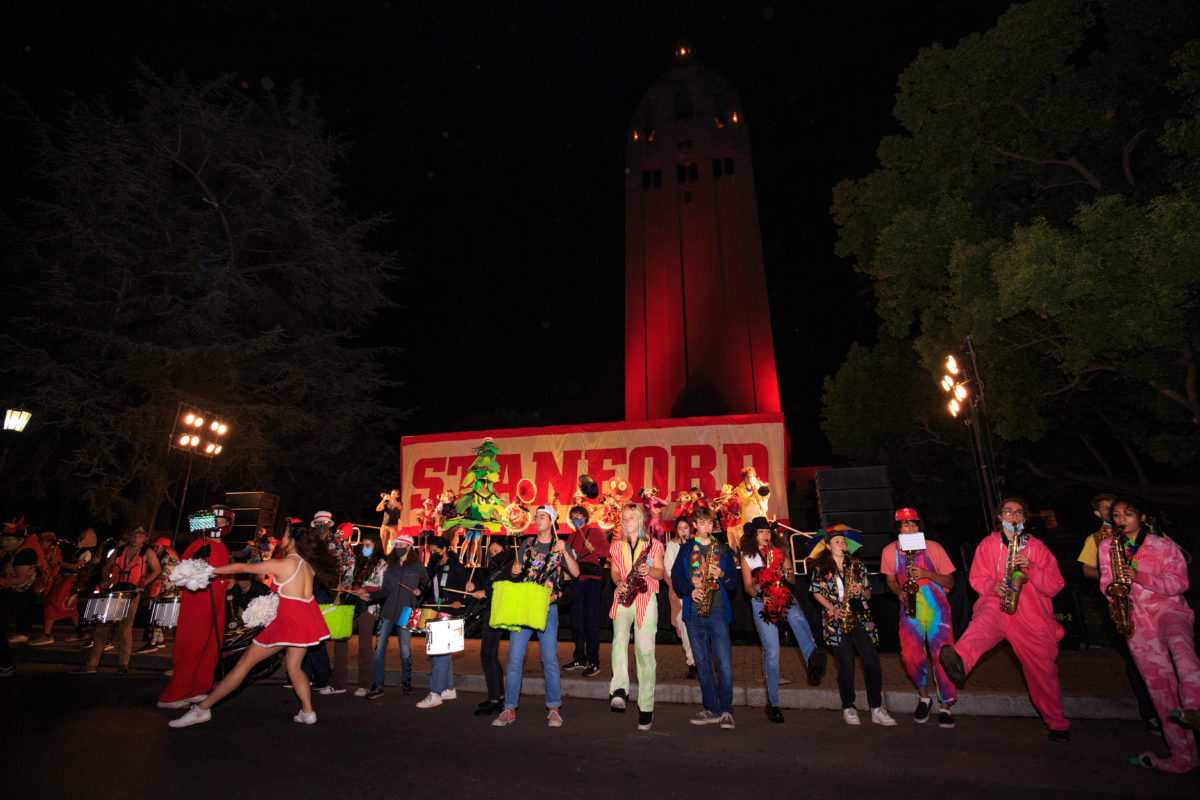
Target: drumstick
[[456, 591]]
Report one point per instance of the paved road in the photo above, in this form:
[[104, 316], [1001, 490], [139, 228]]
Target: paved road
[[100, 736]]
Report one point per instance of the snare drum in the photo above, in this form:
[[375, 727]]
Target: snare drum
[[443, 636], [519, 605], [164, 613], [408, 618], [426, 616], [111, 608]]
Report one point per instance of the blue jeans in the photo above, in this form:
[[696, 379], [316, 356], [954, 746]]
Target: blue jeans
[[403, 635], [768, 634], [711, 646], [518, 641], [442, 677]]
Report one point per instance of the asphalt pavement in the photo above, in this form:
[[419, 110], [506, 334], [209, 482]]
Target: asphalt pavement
[[101, 735]]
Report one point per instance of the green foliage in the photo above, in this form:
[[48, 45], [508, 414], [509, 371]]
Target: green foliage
[[192, 248], [1043, 198]]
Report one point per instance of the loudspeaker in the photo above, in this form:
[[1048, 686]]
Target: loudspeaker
[[251, 510], [860, 497]]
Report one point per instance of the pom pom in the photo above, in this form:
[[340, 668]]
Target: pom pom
[[260, 612], [192, 574]]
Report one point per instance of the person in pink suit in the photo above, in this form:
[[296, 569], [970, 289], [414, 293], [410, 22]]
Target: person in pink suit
[[1162, 643], [1031, 630]]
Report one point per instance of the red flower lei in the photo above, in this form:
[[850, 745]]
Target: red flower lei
[[774, 592]]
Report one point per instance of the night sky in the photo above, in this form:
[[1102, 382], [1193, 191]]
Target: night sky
[[493, 134]]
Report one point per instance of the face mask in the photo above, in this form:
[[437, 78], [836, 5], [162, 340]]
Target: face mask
[[367, 552], [1008, 526]]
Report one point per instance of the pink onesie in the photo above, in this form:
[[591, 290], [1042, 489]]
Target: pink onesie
[[1032, 631], [1162, 634]]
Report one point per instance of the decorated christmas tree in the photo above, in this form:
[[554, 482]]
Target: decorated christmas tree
[[478, 508]]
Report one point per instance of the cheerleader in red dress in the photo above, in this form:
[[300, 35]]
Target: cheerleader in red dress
[[298, 623]]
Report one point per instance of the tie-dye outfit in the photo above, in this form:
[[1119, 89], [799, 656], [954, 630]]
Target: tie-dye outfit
[[1032, 631], [931, 627], [1162, 635]]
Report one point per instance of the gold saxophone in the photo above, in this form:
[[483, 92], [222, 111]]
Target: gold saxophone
[[710, 584], [911, 587], [634, 584], [853, 574], [1119, 607], [1013, 577]]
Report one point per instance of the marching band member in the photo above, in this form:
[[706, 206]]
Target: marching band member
[[767, 578], [133, 566], [298, 622], [201, 630], [704, 575], [683, 533], [754, 496], [588, 543], [542, 559], [929, 627], [391, 508], [839, 585], [1153, 571], [489, 637], [404, 580], [1011, 568], [637, 567], [446, 573]]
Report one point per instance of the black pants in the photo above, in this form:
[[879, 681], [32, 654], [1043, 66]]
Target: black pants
[[12, 606], [844, 654], [585, 620], [489, 656]]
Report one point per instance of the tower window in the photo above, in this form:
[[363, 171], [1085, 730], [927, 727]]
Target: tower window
[[683, 105], [716, 167], [728, 166], [693, 171], [681, 173]]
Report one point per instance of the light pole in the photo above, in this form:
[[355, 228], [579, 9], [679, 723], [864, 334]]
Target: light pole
[[963, 385], [195, 432], [15, 420]]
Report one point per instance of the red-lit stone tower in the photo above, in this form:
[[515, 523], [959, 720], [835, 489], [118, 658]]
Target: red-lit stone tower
[[697, 328]]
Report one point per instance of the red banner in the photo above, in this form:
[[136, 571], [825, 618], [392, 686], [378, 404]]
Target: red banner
[[670, 454]]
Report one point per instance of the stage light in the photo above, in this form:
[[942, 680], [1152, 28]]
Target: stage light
[[197, 431], [954, 408], [189, 419], [214, 425], [960, 392], [183, 440], [198, 421], [195, 440], [947, 383], [209, 449], [217, 451], [16, 419], [221, 429], [735, 116], [952, 365]]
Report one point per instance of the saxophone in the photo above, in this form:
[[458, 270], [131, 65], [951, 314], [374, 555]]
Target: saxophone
[[710, 584], [1013, 577], [1120, 607], [634, 584], [852, 606], [911, 587]]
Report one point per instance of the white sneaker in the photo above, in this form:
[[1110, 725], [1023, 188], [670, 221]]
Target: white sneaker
[[330, 690], [175, 704], [705, 717], [361, 691], [194, 716], [450, 694], [18, 638], [430, 701], [880, 717], [850, 716], [305, 718], [727, 721]]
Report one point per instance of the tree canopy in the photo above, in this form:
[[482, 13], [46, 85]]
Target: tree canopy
[[191, 247], [1042, 197]]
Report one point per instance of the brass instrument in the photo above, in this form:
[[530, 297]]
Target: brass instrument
[[911, 587], [710, 584], [1120, 608], [1013, 577], [634, 584], [853, 574]]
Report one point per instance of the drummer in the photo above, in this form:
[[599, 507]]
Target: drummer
[[447, 590], [162, 590], [131, 568], [541, 559]]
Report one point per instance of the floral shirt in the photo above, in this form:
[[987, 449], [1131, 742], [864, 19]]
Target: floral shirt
[[827, 584]]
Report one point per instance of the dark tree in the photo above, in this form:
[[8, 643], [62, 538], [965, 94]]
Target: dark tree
[[192, 247]]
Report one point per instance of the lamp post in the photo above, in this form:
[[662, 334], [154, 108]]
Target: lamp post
[[965, 390], [15, 420], [195, 432]]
